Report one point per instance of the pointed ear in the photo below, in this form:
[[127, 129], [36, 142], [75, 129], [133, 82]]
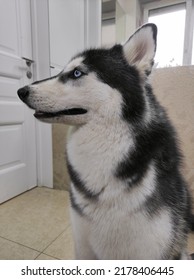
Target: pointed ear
[[140, 48]]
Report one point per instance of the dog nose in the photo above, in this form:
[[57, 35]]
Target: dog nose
[[23, 93]]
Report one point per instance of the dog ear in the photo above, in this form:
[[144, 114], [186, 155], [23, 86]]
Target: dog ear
[[140, 48]]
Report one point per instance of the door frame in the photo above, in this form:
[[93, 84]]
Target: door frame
[[41, 57]]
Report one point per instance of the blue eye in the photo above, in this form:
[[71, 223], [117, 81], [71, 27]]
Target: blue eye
[[77, 73]]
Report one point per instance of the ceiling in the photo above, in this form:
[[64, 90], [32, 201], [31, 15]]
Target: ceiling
[[109, 6]]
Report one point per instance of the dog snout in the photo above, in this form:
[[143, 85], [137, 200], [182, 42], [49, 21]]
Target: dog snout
[[23, 93]]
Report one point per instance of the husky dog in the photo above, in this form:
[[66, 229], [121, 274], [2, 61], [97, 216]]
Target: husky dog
[[128, 197]]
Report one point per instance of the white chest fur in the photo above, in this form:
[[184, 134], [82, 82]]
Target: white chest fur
[[119, 217], [95, 152]]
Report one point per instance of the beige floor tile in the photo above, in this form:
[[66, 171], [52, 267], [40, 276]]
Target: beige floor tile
[[13, 251], [191, 243], [35, 218], [62, 248], [45, 257]]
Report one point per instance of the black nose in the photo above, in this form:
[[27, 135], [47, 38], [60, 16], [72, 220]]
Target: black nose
[[23, 93]]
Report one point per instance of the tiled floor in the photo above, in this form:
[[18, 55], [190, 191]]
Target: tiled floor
[[35, 225]]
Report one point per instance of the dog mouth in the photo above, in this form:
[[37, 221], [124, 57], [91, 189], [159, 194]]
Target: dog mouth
[[67, 112]]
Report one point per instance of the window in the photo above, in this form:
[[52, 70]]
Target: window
[[175, 21], [171, 26]]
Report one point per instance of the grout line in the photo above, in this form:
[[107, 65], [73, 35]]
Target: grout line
[[20, 244], [38, 255], [26, 246], [47, 255], [42, 251], [55, 239]]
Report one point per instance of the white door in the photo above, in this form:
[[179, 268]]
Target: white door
[[17, 125]]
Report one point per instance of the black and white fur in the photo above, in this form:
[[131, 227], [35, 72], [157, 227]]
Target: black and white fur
[[128, 197]]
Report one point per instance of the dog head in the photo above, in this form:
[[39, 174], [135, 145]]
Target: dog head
[[97, 83]]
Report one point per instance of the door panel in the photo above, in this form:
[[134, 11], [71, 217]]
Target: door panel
[[11, 141], [9, 87], [8, 112], [17, 125], [8, 19]]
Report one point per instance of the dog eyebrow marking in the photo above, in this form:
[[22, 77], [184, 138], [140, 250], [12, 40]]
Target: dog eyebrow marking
[[67, 73], [80, 185], [76, 62]]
